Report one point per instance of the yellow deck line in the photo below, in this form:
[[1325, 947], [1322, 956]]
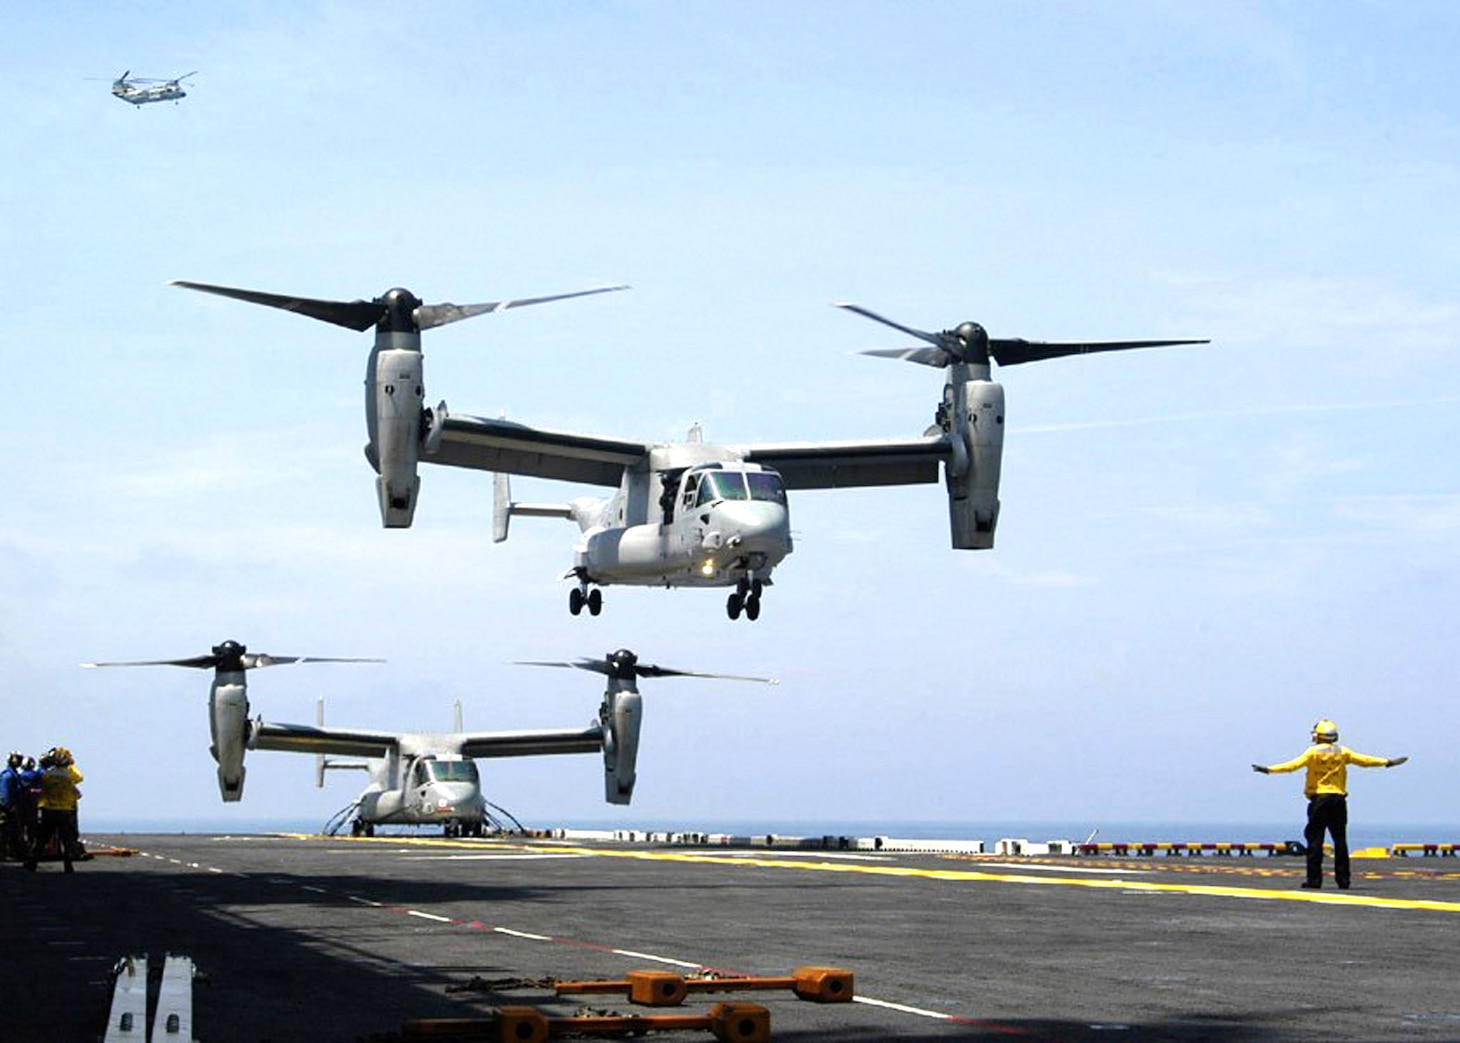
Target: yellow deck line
[[954, 875]]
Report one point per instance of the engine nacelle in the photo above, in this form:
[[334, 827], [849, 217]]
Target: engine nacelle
[[972, 476], [620, 716], [394, 394], [229, 724]]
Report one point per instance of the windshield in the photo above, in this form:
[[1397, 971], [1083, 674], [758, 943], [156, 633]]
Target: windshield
[[451, 771], [741, 485]]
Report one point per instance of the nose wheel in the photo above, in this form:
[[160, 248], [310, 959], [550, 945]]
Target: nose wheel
[[745, 599], [580, 597]]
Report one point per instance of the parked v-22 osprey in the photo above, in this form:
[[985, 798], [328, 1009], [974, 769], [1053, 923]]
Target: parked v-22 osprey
[[694, 514], [423, 778]]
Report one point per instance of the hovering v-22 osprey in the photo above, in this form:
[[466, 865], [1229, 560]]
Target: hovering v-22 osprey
[[689, 513]]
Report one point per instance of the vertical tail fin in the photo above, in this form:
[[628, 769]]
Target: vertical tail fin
[[501, 506]]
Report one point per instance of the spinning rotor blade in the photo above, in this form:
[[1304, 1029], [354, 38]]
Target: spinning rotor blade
[[649, 670], [1011, 352], [251, 662], [360, 315], [968, 342], [429, 316], [625, 664], [202, 662], [924, 356], [931, 338], [354, 315], [230, 655]]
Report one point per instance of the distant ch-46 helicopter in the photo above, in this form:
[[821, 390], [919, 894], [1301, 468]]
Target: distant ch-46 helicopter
[[138, 91], [688, 513], [422, 778]]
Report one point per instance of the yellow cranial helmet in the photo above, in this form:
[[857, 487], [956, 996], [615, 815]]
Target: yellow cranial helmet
[[1325, 731]]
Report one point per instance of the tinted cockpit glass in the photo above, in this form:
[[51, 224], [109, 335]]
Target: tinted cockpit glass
[[452, 771], [741, 485], [722, 485], [766, 486]]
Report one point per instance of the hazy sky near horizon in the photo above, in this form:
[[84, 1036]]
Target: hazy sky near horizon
[[1201, 550]]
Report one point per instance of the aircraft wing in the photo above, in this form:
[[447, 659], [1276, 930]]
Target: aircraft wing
[[531, 743], [304, 738], [501, 445], [841, 465]]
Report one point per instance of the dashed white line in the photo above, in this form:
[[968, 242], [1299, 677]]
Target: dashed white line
[[657, 959], [522, 934], [429, 916], [901, 1008]]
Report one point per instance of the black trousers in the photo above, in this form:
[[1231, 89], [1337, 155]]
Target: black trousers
[[1327, 813], [63, 826]]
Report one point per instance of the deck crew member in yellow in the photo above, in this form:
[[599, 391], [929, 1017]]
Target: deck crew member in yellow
[[1327, 790], [59, 797]]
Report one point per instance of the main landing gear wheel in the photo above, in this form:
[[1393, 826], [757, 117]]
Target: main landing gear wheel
[[747, 599], [577, 599]]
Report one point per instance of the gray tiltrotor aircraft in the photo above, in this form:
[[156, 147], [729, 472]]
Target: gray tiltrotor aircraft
[[693, 514], [423, 778]]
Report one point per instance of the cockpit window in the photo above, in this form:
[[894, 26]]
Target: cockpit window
[[451, 771], [722, 485], [741, 485], [765, 485]]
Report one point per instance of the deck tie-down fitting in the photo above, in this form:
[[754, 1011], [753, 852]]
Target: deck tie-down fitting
[[667, 989], [730, 1022]]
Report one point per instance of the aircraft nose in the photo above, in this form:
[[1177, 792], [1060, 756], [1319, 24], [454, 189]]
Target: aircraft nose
[[454, 797], [756, 525]]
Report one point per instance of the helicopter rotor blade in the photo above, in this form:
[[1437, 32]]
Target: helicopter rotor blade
[[607, 667], [1013, 351], [353, 315], [253, 661], [650, 670], [429, 316], [936, 357], [201, 662], [924, 335], [597, 666]]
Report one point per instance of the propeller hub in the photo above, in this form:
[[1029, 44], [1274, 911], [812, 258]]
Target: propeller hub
[[399, 314], [622, 663], [973, 342]]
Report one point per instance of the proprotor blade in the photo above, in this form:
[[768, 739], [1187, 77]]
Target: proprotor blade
[[931, 338], [649, 670], [598, 666], [353, 315], [1011, 352], [935, 357], [202, 662], [262, 659], [429, 316]]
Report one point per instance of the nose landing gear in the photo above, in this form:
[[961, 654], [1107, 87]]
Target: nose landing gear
[[580, 596], [746, 598]]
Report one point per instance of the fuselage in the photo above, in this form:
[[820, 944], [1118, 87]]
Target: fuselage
[[427, 790], [703, 523], [143, 95]]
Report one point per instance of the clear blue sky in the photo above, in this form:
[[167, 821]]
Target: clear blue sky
[[1201, 549]]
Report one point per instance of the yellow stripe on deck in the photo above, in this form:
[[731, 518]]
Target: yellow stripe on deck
[[950, 875]]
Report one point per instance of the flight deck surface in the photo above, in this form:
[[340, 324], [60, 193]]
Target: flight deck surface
[[308, 938]]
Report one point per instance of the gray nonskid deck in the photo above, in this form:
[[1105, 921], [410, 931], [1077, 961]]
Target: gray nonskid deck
[[335, 939]]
